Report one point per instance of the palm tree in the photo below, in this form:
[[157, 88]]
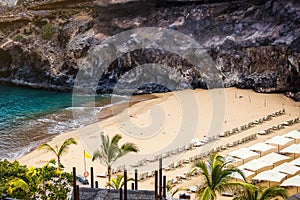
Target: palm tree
[[217, 173], [110, 151], [261, 193], [118, 182], [59, 151]]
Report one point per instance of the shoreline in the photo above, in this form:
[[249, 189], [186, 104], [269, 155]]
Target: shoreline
[[242, 106], [106, 112]]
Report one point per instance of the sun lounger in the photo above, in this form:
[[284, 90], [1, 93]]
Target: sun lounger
[[102, 175]]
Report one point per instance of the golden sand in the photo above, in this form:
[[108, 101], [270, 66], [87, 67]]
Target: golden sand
[[158, 124]]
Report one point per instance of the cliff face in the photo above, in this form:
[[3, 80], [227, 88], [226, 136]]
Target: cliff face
[[42, 43], [254, 45]]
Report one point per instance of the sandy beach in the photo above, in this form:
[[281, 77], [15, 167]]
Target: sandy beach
[[162, 124]]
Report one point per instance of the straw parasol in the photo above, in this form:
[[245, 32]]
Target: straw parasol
[[287, 168], [261, 147], [295, 134], [273, 158], [243, 153], [270, 175], [293, 181], [255, 164], [279, 141], [294, 148]]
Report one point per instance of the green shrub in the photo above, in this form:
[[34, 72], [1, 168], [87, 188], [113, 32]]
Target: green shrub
[[47, 31], [43, 183], [18, 37]]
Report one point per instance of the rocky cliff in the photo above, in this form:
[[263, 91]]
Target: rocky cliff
[[254, 44]]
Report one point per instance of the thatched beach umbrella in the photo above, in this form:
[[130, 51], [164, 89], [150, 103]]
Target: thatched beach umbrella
[[295, 134], [261, 147], [270, 175], [247, 174], [274, 158], [294, 182], [287, 168], [279, 141], [243, 153], [255, 165], [296, 161], [294, 148]]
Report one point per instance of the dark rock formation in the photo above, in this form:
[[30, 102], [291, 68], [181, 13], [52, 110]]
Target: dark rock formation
[[297, 96], [254, 44], [248, 42]]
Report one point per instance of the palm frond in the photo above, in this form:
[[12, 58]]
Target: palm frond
[[204, 170], [52, 161], [269, 193], [129, 147], [217, 172], [109, 150], [117, 182], [16, 184], [63, 148], [96, 155], [48, 147], [207, 194], [115, 140]]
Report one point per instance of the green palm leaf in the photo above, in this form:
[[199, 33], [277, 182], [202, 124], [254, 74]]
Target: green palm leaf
[[118, 182], [47, 147], [59, 151], [269, 193], [16, 184], [217, 173], [251, 192], [110, 151], [64, 147]]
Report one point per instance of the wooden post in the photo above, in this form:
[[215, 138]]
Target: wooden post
[[265, 103], [132, 186], [77, 192], [74, 183], [96, 184], [160, 178], [121, 195], [92, 177], [136, 179], [155, 184], [164, 186], [125, 184]]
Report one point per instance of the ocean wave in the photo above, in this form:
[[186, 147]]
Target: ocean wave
[[29, 121], [20, 136]]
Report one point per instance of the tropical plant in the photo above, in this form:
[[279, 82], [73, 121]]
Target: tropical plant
[[46, 182], [17, 187], [54, 183], [251, 192], [117, 182], [110, 151], [217, 173], [9, 171], [59, 151]]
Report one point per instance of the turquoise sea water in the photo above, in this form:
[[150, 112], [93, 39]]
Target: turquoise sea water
[[19, 103], [30, 116]]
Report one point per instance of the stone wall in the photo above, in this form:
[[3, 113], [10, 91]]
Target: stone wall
[[104, 194]]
